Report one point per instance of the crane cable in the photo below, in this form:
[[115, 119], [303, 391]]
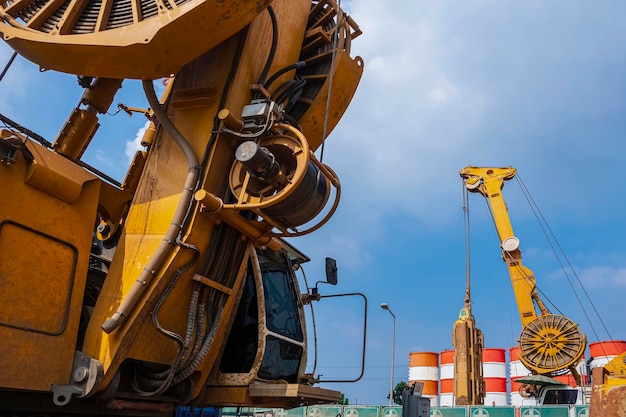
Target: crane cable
[[521, 271], [543, 222], [8, 65], [466, 227], [338, 16], [493, 220]]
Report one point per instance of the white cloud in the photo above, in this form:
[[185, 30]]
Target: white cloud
[[134, 145], [603, 277], [442, 94]]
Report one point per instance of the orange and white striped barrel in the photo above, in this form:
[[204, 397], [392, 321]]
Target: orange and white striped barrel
[[494, 374], [446, 378], [424, 368], [518, 370], [603, 352]]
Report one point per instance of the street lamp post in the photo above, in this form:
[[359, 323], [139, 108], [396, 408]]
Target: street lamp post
[[384, 306]]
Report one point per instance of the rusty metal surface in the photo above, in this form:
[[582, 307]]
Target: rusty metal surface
[[609, 402]]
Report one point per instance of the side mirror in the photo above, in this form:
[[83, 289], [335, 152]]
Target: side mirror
[[331, 271]]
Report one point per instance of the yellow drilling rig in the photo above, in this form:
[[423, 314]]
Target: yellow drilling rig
[[549, 344], [198, 302]]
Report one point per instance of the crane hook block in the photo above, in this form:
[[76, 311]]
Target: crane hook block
[[145, 39]]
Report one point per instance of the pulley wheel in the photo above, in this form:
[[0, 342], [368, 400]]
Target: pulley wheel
[[551, 343]]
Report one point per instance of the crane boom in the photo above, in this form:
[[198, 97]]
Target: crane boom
[[550, 344]]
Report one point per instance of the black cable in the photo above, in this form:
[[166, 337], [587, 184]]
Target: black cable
[[296, 66], [8, 65], [289, 91], [227, 85], [25, 131], [273, 48]]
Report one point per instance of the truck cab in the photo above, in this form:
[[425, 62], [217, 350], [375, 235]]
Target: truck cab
[[557, 395]]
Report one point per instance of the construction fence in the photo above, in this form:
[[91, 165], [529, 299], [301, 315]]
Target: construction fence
[[385, 411]]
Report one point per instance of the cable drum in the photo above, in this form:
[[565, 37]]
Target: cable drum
[[266, 173], [551, 344], [306, 201]]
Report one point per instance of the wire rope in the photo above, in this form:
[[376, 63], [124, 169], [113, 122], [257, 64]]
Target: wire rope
[[330, 77], [466, 228], [545, 227], [8, 65], [520, 270]]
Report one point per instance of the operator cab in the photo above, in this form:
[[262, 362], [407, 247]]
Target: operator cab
[[558, 395]]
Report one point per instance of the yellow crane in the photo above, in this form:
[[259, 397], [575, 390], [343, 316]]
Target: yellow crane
[[549, 344], [198, 302]]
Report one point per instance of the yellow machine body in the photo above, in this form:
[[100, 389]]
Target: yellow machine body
[[608, 392], [177, 308], [45, 241]]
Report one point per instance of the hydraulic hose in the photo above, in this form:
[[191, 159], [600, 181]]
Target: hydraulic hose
[[169, 240]]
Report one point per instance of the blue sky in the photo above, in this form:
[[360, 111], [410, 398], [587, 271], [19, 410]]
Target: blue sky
[[536, 85]]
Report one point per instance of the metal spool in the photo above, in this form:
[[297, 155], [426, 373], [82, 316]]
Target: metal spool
[[306, 202], [551, 344], [294, 204]]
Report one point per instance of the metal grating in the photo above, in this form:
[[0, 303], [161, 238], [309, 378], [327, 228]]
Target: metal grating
[[120, 14], [86, 22], [29, 11], [53, 21]]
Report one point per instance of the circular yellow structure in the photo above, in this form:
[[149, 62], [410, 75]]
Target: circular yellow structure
[[141, 39], [551, 344]]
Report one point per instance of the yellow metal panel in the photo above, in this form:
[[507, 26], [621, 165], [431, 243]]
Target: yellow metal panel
[[52, 174], [45, 244], [31, 260]]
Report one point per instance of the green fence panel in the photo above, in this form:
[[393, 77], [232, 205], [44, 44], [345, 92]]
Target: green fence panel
[[232, 411], [323, 411], [391, 411], [491, 411], [294, 412], [581, 410], [555, 411], [448, 412], [361, 411]]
